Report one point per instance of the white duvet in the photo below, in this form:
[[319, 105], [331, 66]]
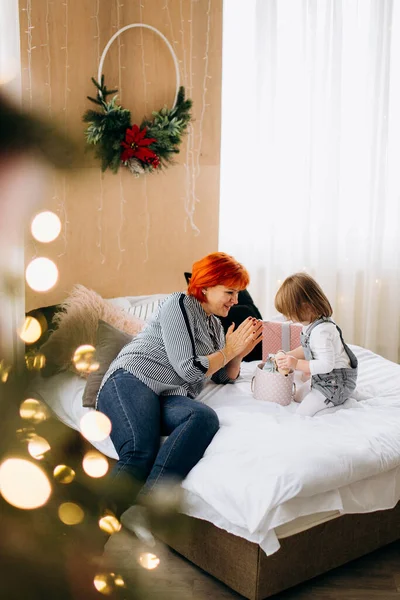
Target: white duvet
[[267, 466]]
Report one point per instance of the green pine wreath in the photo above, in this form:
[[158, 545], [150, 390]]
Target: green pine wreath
[[142, 149]]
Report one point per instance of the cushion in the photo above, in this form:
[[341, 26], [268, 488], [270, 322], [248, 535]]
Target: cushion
[[76, 324], [45, 316], [63, 394], [140, 306], [109, 342]]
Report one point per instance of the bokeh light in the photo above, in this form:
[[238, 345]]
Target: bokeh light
[[46, 227], [95, 426], [110, 524], [149, 561], [38, 446], [70, 513], [41, 274], [95, 464], [4, 371], [63, 474], [34, 410], [84, 359], [118, 580], [105, 583], [25, 434], [34, 360], [30, 331], [23, 484]]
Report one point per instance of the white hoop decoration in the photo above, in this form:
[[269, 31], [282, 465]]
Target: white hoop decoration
[[162, 36], [143, 146]]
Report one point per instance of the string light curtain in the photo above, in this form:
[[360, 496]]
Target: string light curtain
[[310, 155]]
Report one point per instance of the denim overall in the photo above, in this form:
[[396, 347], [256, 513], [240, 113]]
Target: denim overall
[[337, 385]]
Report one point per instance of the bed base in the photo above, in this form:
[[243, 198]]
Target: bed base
[[245, 568]]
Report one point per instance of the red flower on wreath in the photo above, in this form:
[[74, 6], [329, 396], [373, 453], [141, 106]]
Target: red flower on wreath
[[136, 146]]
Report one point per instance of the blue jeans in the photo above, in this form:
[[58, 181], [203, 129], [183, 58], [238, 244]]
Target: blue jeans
[[139, 417]]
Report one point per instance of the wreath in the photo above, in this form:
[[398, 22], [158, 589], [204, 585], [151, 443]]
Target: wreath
[[143, 148]]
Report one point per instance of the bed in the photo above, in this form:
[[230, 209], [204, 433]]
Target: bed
[[274, 487]]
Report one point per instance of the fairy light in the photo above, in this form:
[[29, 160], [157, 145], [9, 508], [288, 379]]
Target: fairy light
[[55, 197], [30, 331], [148, 561], [41, 274], [105, 583], [35, 361], [120, 67], [48, 64], [46, 227], [191, 49], [64, 474], [34, 410], [146, 198], [110, 524], [190, 198], [23, 484], [5, 370], [190, 181], [84, 359], [65, 47], [63, 203], [95, 426], [28, 11], [95, 464], [182, 31], [143, 61], [171, 28], [70, 513], [99, 242], [38, 446], [206, 76], [122, 220], [121, 185]]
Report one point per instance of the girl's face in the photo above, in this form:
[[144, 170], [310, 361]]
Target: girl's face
[[219, 299]]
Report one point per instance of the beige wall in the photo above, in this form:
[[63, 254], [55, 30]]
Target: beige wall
[[123, 235]]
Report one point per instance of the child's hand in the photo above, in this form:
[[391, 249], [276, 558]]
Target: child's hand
[[285, 362]]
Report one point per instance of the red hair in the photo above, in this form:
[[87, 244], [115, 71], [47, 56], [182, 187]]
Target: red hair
[[214, 269]]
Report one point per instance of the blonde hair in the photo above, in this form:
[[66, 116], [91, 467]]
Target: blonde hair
[[300, 298]]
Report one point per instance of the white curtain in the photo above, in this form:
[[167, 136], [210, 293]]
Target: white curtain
[[12, 304], [10, 56], [310, 175]]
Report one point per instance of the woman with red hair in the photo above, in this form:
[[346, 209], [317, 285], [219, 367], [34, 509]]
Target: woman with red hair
[[151, 387]]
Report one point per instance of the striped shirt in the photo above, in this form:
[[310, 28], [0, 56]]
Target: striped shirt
[[170, 354]]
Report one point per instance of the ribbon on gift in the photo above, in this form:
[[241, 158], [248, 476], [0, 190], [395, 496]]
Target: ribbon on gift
[[280, 335], [285, 336]]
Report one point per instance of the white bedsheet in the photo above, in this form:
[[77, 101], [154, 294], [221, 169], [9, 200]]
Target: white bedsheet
[[267, 466]]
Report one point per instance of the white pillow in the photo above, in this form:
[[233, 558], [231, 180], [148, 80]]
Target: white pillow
[[122, 302], [140, 306], [63, 394]]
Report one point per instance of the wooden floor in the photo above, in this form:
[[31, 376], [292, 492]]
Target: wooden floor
[[373, 577]]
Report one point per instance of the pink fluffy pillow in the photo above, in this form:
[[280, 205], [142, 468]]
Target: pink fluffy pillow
[[77, 323]]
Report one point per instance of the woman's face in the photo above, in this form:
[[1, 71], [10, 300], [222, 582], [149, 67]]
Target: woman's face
[[219, 299]]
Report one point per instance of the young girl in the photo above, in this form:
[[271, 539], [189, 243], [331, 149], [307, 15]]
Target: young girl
[[323, 353]]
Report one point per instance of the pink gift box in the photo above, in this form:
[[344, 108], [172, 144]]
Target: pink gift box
[[280, 335]]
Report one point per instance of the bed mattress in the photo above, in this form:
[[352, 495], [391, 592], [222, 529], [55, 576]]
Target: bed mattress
[[270, 473]]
